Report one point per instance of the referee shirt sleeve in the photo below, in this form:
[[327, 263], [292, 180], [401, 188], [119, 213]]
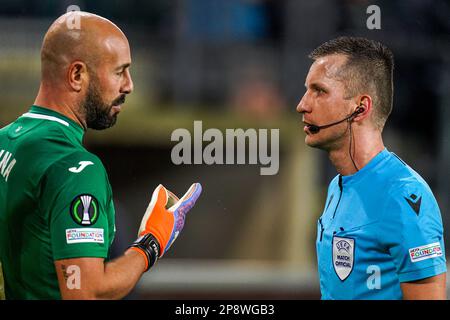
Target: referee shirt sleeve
[[413, 233], [76, 198]]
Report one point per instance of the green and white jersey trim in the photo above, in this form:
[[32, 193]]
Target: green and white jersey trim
[[44, 117]]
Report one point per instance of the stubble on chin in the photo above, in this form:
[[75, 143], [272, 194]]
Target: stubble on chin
[[326, 142]]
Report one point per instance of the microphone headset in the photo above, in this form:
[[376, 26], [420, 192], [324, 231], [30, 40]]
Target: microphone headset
[[315, 129]]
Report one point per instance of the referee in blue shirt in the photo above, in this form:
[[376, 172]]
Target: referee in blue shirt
[[380, 235]]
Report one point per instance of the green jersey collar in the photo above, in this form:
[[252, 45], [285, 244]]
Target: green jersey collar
[[38, 112]]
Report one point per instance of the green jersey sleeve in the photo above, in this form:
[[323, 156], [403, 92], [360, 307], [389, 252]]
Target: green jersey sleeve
[[77, 196]]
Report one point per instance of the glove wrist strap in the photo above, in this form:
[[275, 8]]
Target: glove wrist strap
[[149, 246]]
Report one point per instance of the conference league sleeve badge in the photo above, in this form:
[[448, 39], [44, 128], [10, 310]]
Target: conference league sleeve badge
[[343, 256], [84, 210]]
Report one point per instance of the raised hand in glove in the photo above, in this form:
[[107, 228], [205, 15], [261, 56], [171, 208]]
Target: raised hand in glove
[[163, 221]]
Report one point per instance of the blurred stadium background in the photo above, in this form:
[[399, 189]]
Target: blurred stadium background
[[240, 64]]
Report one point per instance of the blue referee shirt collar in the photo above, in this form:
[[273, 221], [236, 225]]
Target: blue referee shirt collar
[[367, 169]]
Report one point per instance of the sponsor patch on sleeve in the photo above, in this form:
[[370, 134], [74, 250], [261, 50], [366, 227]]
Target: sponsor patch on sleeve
[[85, 235], [428, 251]]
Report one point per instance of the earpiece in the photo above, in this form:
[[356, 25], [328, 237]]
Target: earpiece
[[315, 128], [360, 109]]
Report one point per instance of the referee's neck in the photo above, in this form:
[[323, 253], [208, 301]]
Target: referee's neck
[[363, 149]]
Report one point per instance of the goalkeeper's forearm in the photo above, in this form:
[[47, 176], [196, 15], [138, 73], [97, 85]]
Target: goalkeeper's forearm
[[122, 275], [92, 278]]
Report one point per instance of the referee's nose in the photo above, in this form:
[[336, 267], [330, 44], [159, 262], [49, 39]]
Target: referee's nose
[[303, 105]]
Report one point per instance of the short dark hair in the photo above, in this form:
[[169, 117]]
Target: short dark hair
[[369, 68]]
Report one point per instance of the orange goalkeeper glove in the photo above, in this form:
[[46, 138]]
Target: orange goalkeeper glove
[[163, 221]]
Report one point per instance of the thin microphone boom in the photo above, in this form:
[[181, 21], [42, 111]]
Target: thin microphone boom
[[315, 129]]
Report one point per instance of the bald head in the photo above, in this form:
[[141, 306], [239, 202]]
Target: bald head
[[85, 69], [90, 40]]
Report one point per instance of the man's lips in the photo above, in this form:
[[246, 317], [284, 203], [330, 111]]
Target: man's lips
[[117, 108], [306, 127], [117, 104]]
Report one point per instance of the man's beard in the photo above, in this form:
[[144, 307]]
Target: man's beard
[[97, 112]]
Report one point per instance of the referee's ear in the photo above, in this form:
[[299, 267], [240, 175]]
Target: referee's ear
[[77, 75], [365, 105]]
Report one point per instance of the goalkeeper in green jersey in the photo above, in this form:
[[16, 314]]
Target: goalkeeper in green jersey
[[56, 204]]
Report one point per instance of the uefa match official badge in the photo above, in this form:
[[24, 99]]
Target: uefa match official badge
[[343, 256]]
